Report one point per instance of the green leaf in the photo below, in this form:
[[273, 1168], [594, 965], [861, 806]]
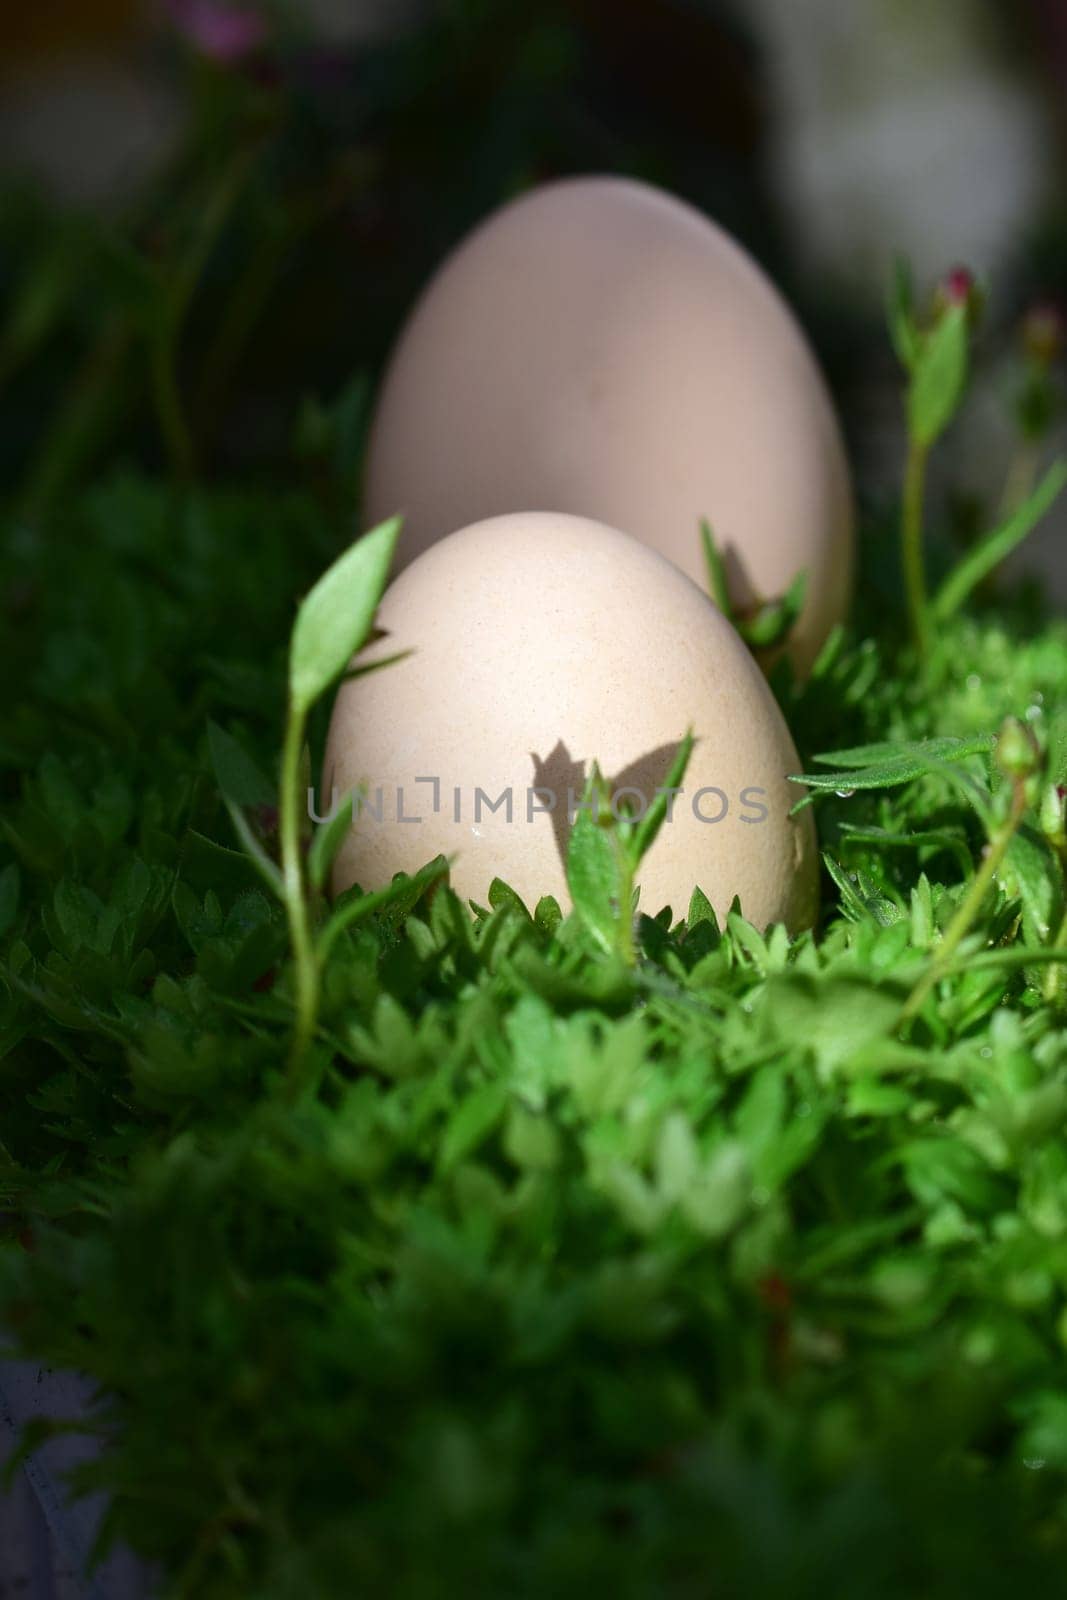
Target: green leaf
[[1018, 956], [718, 586], [939, 376], [349, 424], [961, 780], [886, 766], [531, 1141], [79, 914], [717, 1198], [335, 619], [701, 910], [594, 869], [861, 899], [837, 1019], [358, 910], [471, 1124], [238, 776], [900, 313], [677, 1157], [988, 554], [776, 620], [268, 870], [645, 832], [502, 894], [1043, 1436], [547, 913], [1032, 870], [364, 669], [943, 749]]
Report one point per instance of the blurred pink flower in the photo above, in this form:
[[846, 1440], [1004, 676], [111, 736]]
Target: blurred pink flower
[[958, 286], [224, 33]]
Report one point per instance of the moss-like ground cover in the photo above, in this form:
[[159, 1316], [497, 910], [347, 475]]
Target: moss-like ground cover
[[712, 1274]]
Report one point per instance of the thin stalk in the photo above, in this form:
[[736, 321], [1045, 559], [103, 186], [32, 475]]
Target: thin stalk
[[252, 290], [961, 923], [912, 544], [1054, 976], [627, 949], [296, 903], [175, 295]]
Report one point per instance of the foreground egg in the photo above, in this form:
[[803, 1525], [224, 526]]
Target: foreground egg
[[539, 643], [599, 347]]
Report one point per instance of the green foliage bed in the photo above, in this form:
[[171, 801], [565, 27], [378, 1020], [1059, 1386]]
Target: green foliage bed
[[701, 1276]]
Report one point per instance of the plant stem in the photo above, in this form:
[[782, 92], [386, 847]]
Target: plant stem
[[1053, 987], [912, 544], [960, 925], [1054, 976], [627, 951], [175, 295], [296, 905]]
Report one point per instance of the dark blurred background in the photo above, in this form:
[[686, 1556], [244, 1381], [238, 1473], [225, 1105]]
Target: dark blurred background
[[213, 217]]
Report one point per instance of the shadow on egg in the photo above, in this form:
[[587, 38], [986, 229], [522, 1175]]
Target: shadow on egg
[[561, 772], [743, 592]]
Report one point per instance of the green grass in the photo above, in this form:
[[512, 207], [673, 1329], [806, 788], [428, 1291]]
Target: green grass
[[713, 1273]]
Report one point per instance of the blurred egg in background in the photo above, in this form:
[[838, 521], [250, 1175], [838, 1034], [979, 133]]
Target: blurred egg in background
[[597, 347]]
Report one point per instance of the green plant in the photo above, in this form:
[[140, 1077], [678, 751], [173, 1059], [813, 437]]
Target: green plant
[[764, 626], [333, 622], [605, 851], [935, 353], [935, 359]]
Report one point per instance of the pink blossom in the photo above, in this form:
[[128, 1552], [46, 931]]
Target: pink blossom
[[958, 286], [224, 33]]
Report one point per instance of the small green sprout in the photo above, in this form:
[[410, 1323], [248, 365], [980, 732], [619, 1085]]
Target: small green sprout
[[764, 626], [934, 353], [332, 624], [607, 844]]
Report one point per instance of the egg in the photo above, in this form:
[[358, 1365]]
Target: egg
[[601, 348], [540, 642]]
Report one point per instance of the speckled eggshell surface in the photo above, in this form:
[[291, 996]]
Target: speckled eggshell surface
[[601, 348], [541, 642]]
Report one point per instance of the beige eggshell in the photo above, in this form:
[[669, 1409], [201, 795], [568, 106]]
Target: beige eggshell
[[541, 642], [601, 348]]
